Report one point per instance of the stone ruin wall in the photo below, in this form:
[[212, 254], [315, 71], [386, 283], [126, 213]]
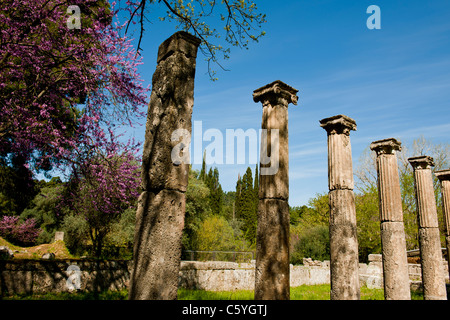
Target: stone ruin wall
[[34, 276]]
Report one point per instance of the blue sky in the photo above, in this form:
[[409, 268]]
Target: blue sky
[[395, 81]]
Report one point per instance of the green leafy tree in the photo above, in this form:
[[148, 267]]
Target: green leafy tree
[[295, 213], [43, 208], [319, 213], [197, 209], [17, 187], [228, 207], [368, 223], [307, 227], [76, 232], [217, 234], [312, 243], [121, 236]]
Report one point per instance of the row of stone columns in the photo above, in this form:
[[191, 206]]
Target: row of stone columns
[[343, 238], [161, 206], [272, 260]]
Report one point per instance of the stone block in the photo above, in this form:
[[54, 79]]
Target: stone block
[[375, 258], [6, 253], [59, 236], [179, 42]]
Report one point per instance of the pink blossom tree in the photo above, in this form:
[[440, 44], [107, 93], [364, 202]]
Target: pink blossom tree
[[102, 188], [19, 232], [60, 86]]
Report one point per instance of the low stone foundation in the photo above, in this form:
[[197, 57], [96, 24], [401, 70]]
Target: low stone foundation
[[42, 276], [39, 276]]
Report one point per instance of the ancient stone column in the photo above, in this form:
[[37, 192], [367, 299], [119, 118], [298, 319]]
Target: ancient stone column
[[272, 280], [429, 241], [161, 206], [393, 242], [344, 262], [444, 178]]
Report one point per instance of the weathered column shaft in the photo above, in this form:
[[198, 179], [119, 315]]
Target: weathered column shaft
[[161, 206], [393, 242], [272, 281], [344, 264], [444, 178], [429, 240]]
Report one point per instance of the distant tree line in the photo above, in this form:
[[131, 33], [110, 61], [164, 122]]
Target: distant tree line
[[97, 207]]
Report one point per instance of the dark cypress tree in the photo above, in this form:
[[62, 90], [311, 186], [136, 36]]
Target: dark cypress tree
[[256, 191], [237, 201], [216, 195], [246, 208], [203, 171], [211, 180]]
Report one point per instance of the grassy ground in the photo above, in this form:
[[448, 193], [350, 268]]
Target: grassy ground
[[317, 292], [58, 248]]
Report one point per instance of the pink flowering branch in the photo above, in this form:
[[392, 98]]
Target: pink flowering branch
[[60, 87]]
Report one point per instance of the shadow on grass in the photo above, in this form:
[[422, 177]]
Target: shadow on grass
[[316, 292]]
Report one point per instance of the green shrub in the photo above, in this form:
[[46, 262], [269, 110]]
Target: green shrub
[[312, 243]]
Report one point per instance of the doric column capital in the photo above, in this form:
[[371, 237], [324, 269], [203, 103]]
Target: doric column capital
[[276, 93], [386, 146], [443, 175], [421, 162], [339, 124]]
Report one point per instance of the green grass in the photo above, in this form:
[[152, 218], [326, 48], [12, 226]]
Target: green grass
[[316, 292], [187, 294]]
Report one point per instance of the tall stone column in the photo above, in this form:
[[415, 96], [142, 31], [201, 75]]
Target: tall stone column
[[393, 242], [444, 178], [272, 280], [344, 264], [429, 241], [161, 206]]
